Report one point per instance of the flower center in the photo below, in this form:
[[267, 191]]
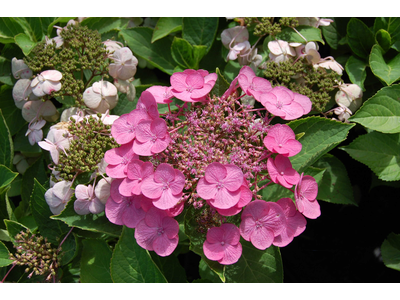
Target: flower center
[[222, 243], [220, 185], [160, 230], [279, 104], [258, 224]]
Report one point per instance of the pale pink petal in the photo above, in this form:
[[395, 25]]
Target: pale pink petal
[[205, 189], [167, 200], [151, 189]]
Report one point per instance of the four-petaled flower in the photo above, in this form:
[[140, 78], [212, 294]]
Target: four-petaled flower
[[118, 159], [46, 82], [101, 96], [288, 105], [261, 222], [295, 223], [281, 171], [151, 137], [164, 186], [221, 185], [58, 196], [86, 200], [157, 232], [192, 85], [124, 65], [222, 244], [305, 194], [281, 139], [251, 84]]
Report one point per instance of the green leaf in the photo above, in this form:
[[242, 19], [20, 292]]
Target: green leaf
[[96, 223], [35, 171], [38, 27], [335, 186], [356, 69], [389, 24], [206, 273], [381, 112], [334, 32], [69, 249], [389, 71], [311, 34], [95, 262], [170, 267], [105, 24], [379, 151], [157, 54], [6, 178], [5, 73], [321, 135], [6, 148], [200, 31], [382, 37], [12, 114], [130, 263], [360, 37], [165, 26], [52, 229], [391, 251], [4, 256], [14, 228], [185, 54], [220, 86], [256, 266], [9, 27], [25, 43]]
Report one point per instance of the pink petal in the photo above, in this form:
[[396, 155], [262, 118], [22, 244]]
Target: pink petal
[[160, 144], [164, 246], [213, 251], [225, 198], [167, 200], [215, 172], [205, 189], [177, 185], [151, 189], [144, 132], [81, 207], [164, 173], [232, 254], [195, 81], [114, 211], [53, 75], [178, 81], [234, 177]]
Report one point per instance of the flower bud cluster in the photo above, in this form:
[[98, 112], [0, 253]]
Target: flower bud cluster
[[36, 254]]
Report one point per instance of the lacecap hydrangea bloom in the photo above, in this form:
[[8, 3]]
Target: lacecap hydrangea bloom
[[210, 155]]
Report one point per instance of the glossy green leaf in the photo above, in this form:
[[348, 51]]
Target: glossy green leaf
[[6, 178], [388, 71], [356, 69], [360, 38], [6, 148], [256, 266], [335, 32], [220, 86], [383, 39], [4, 256], [130, 263], [5, 72], [379, 151], [105, 24], [321, 135], [13, 228], [200, 31], [170, 267], [9, 28], [186, 55], [95, 262], [96, 223], [50, 228], [381, 112], [25, 43], [311, 34], [335, 186], [157, 54], [389, 24], [391, 251], [165, 26], [12, 114]]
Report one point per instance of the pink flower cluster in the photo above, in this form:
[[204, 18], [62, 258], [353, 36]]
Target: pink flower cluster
[[213, 156]]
